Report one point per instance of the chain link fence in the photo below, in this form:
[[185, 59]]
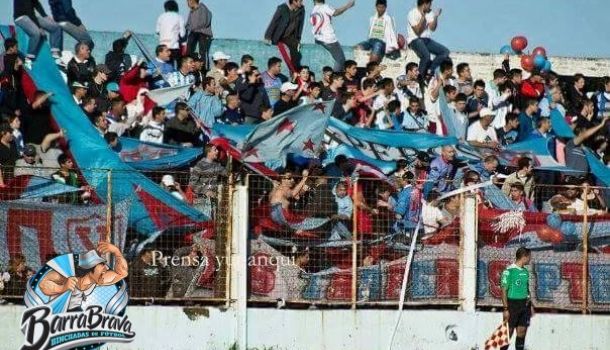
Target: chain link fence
[[566, 227], [315, 240], [345, 241]]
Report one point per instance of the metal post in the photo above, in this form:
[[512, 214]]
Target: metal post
[[585, 247], [228, 240], [355, 247], [109, 207], [468, 252]]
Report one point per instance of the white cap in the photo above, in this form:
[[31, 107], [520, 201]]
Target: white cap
[[89, 259], [167, 180], [219, 55], [486, 112], [287, 86]]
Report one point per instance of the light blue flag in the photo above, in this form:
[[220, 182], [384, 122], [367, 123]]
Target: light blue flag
[[235, 133], [538, 150], [599, 169], [387, 145], [156, 156], [91, 151], [299, 131], [385, 166], [454, 126], [560, 126]]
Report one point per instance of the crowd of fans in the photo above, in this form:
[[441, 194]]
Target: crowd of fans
[[514, 106]]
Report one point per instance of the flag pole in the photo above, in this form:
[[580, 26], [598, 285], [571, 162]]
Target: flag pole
[[405, 278], [585, 247], [355, 247]]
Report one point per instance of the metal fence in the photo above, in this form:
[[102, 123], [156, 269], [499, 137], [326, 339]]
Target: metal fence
[[44, 213], [316, 240], [340, 241], [566, 227]]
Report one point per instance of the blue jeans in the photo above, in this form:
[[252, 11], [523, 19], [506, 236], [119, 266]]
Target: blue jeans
[[376, 46], [79, 33], [423, 47], [36, 33], [336, 51]]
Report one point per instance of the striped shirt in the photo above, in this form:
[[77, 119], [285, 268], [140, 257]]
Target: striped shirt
[[206, 106], [179, 79]]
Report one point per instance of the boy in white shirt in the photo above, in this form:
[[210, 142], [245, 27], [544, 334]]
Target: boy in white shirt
[[481, 133], [323, 31], [421, 23], [432, 216], [155, 129], [171, 29]]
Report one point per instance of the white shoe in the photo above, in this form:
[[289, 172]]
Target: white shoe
[[27, 63], [59, 62]]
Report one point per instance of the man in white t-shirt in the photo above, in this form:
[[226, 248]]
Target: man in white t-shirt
[[323, 31], [171, 29], [481, 133], [421, 23]]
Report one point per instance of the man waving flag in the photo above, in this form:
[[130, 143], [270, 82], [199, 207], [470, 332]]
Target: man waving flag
[[299, 131]]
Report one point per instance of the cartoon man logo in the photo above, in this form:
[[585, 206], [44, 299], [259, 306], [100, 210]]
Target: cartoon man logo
[[85, 295], [91, 271]]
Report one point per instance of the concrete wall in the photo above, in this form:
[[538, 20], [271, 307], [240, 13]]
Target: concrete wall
[[483, 65], [171, 328]]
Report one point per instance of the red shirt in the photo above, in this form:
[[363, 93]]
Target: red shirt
[[129, 86], [532, 90], [363, 107]]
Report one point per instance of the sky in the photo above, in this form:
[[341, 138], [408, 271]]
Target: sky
[[564, 27]]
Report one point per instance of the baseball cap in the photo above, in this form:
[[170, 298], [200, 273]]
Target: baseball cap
[[114, 87], [486, 112], [78, 84], [29, 151], [168, 180], [287, 86], [196, 56], [102, 68], [219, 55], [89, 259]]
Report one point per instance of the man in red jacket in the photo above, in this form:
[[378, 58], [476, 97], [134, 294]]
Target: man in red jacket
[[533, 87], [132, 81]]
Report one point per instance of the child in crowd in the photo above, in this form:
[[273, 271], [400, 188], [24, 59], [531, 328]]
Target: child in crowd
[[345, 206], [432, 215]]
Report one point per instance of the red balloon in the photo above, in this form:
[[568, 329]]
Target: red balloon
[[539, 51], [527, 62], [401, 41], [548, 234], [519, 43]]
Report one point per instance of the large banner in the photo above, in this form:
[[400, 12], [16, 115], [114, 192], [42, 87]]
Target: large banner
[[40, 231], [556, 278]]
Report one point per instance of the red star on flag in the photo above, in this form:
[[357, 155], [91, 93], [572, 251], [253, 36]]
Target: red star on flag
[[285, 125], [308, 145], [320, 106], [250, 152]]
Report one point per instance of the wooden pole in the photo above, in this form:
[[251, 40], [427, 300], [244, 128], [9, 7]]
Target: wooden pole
[[585, 247], [355, 247]]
